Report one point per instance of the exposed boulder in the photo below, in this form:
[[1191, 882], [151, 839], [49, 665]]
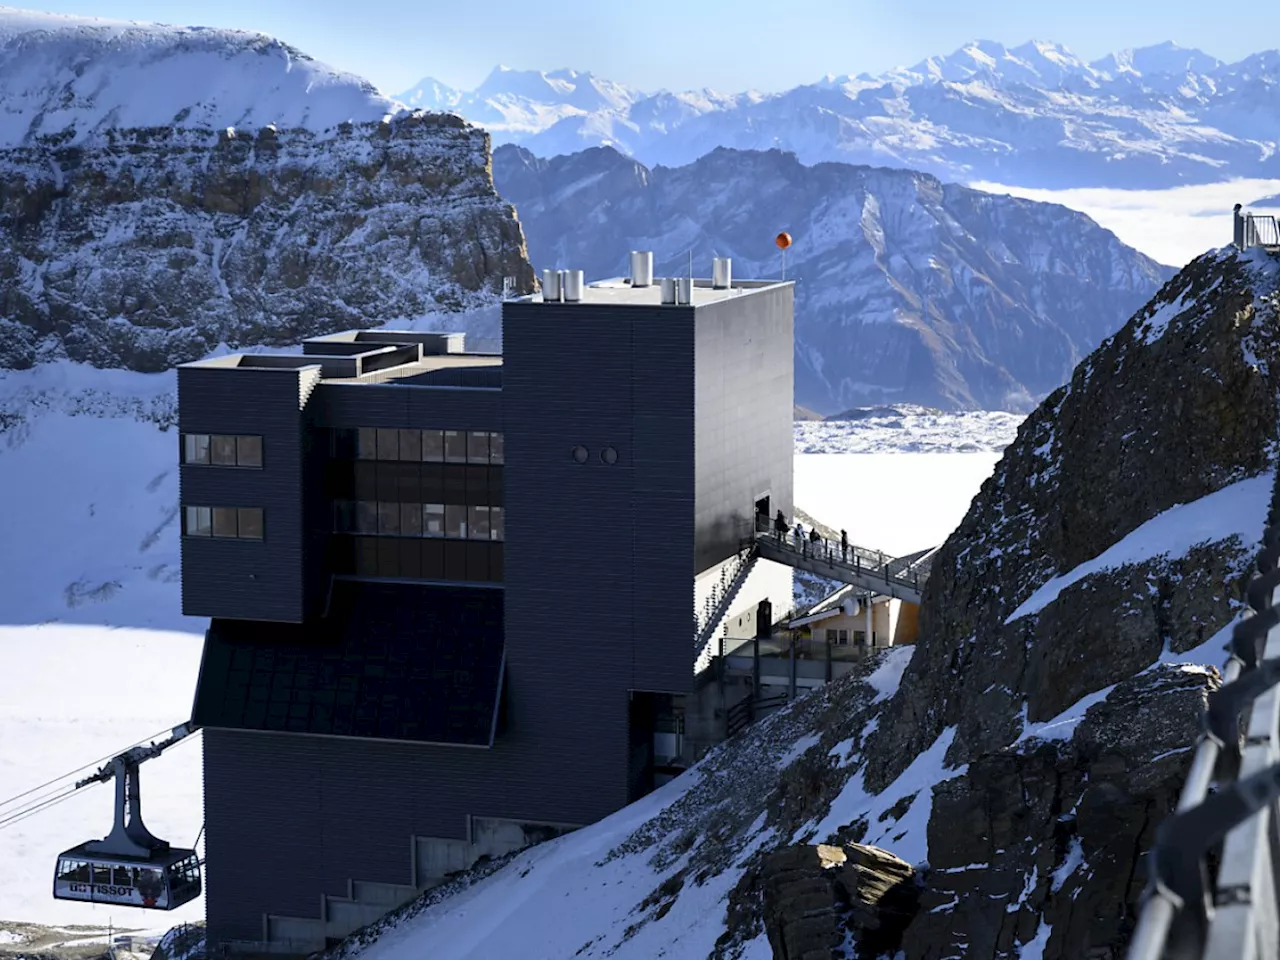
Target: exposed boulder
[[819, 898]]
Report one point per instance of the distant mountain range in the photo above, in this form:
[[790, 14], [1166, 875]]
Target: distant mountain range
[[909, 290], [1034, 115]]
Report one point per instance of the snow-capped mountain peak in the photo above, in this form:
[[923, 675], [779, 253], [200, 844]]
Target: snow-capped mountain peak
[[1035, 114], [80, 76], [1157, 59]]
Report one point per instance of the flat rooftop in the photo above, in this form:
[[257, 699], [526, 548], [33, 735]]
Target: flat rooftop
[[620, 292], [378, 356]]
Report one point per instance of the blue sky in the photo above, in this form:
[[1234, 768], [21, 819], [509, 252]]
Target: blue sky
[[678, 44]]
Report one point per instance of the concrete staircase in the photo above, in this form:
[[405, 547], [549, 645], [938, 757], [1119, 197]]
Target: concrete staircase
[[433, 860]]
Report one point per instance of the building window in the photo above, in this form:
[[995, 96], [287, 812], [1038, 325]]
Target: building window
[[391, 519], [199, 522], [455, 446], [248, 451], [455, 522], [609, 455], [249, 522], [831, 636], [478, 523], [229, 523], [222, 450], [411, 445], [843, 639], [433, 519], [195, 448], [433, 446], [859, 637], [580, 454], [408, 446], [411, 519], [367, 443], [388, 444]]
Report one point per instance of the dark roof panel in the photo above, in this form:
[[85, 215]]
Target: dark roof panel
[[390, 661]]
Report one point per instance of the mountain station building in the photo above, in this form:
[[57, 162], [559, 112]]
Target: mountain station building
[[450, 594]]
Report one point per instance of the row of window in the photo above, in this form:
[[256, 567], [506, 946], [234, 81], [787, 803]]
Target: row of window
[[222, 450], [841, 637], [233, 523], [446, 520], [419, 446]]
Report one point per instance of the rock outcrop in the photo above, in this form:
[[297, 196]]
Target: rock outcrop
[[820, 899], [907, 289], [252, 197]]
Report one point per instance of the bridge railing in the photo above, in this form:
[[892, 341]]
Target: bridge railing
[[1261, 230], [1190, 912], [872, 562]]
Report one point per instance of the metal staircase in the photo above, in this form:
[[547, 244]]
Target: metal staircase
[[721, 599]]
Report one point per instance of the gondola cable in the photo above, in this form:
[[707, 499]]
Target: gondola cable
[[85, 766]]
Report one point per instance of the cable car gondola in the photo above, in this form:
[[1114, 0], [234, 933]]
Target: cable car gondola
[[129, 867]]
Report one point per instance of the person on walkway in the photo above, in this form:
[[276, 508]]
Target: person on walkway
[[780, 525], [844, 545]]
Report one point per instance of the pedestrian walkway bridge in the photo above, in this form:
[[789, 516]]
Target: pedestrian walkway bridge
[[900, 577]]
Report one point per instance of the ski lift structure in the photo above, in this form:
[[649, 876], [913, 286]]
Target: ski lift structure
[[130, 867]]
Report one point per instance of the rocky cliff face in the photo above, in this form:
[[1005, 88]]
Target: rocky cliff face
[[908, 290], [1103, 545], [166, 190], [987, 794]]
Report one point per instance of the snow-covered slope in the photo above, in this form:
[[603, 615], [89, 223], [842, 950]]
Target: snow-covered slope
[[78, 78], [1032, 115], [166, 190], [1019, 756], [908, 290]]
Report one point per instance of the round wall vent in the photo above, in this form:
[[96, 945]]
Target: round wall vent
[[609, 455], [580, 454]]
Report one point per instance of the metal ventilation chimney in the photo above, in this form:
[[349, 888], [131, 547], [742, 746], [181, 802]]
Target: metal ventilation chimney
[[551, 286], [571, 285], [668, 290], [684, 290], [641, 268], [721, 273]]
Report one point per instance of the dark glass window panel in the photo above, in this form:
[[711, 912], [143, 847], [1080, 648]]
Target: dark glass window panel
[[366, 517], [388, 444], [433, 519], [249, 451], [389, 519], [410, 444], [344, 517], [388, 557], [199, 522], [497, 523], [222, 451], [344, 444], [367, 443], [477, 447], [455, 446], [433, 446], [410, 557], [496, 448], [366, 556], [195, 448], [411, 519], [250, 523], [455, 522], [478, 523], [224, 521]]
